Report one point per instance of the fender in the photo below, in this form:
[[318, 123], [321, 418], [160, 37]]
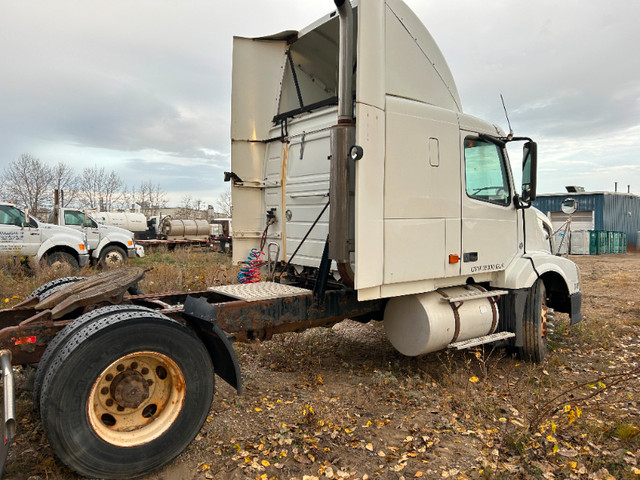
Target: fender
[[67, 242], [110, 235], [110, 240], [521, 273], [560, 275], [201, 315]]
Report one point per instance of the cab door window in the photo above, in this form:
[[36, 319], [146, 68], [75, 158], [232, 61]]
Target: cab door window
[[485, 172], [11, 216]]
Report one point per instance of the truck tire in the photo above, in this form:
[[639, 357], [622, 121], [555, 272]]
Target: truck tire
[[63, 335], [59, 260], [112, 256], [49, 288], [125, 393], [534, 334]]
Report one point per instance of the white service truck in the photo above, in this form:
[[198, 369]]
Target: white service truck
[[108, 246], [25, 236], [359, 186]]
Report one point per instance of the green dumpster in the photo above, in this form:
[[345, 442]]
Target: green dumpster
[[593, 242], [603, 242], [611, 242]]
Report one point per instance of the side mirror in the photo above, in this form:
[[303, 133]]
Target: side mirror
[[26, 218], [529, 171]]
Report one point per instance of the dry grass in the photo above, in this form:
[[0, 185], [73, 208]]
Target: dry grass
[[179, 270], [185, 270]]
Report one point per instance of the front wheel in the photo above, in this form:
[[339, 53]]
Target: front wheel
[[112, 256], [62, 261], [126, 395], [534, 324]]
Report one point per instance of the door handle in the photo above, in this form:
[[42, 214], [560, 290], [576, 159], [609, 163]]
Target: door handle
[[470, 257]]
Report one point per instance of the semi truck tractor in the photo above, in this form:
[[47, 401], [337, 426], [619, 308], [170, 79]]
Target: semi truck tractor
[[109, 246], [361, 189], [355, 126]]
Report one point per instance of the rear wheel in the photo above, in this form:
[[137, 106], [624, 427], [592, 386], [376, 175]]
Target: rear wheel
[[112, 256], [63, 336], [125, 393], [49, 288], [534, 325]]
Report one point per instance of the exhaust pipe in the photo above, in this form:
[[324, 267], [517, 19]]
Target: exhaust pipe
[[345, 62], [342, 176]]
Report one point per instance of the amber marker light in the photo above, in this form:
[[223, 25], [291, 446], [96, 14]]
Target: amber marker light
[[453, 258]]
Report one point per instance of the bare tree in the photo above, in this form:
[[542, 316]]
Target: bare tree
[[99, 189], [27, 181], [65, 180], [185, 207], [150, 197], [223, 203], [191, 209]]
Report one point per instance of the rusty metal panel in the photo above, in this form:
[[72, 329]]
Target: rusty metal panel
[[261, 319]]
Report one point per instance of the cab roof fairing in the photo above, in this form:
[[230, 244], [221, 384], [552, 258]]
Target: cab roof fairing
[[422, 62]]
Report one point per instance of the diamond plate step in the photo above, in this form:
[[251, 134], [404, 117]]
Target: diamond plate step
[[473, 296], [252, 292], [473, 342]]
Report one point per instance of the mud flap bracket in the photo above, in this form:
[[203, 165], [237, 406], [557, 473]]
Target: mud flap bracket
[[202, 315]]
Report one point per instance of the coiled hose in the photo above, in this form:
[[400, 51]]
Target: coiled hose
[[250, 271]]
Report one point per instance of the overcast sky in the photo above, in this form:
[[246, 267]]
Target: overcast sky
[[143, 87]]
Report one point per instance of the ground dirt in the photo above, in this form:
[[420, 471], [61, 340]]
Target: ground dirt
[[341, 403]]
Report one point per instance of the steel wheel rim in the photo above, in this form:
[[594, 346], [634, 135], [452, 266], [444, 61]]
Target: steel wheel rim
[[136, 399], [113, 259]]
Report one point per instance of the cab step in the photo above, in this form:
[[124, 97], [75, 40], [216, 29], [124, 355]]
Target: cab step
[[474, 295], [473, 342]]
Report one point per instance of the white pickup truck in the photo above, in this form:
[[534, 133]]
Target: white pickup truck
[[108, 245], [24, 235]]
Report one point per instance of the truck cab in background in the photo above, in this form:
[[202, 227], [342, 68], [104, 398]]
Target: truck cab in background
[[108, 245], [25, 236]]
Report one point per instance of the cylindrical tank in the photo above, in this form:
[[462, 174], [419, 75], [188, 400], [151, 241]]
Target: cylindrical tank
[[427, 322], [186, 228], [134, 222]]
